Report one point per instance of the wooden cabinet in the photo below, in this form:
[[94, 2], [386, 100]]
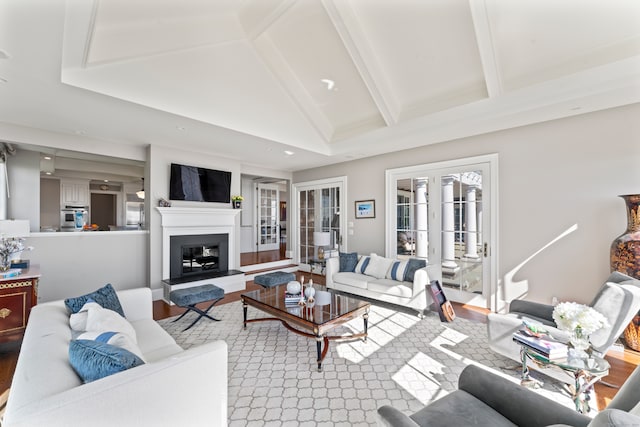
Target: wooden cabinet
[[74, 193], [17, 296]]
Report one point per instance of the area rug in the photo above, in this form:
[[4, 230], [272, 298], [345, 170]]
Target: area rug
[[406, 362]]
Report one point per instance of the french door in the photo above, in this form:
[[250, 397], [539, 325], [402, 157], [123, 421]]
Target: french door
[[443, 213], [318, 206], [268, 217]]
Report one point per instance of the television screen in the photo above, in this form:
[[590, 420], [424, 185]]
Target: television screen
[[199, 184]]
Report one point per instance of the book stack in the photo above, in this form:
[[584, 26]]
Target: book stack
[[14, 272], [292, 299], [543, 345]]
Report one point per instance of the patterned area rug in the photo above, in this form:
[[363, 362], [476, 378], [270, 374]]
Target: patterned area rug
[[406, 362]]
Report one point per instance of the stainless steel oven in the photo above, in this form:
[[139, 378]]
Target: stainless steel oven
[[73, 218]]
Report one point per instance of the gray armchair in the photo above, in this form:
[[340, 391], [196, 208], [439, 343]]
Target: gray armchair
[[486, 399], [618, 300]]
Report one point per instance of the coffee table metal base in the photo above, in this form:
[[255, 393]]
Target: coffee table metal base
[[317, 335]]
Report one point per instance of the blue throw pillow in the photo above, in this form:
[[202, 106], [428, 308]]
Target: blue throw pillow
[[413, 265], [348, 261], [105, 296], [93, 360]]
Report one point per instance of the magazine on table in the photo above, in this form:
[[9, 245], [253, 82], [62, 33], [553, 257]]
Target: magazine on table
[[545, 345]]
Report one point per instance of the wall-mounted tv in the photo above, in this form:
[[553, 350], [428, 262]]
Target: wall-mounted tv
[[199, 184]]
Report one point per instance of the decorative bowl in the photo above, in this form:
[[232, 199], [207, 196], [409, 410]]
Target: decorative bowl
[[294, 287]]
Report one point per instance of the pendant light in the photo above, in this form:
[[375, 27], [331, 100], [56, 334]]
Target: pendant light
[[140, 193]]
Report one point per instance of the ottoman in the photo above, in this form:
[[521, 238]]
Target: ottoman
[[189, 297], [269, 280]]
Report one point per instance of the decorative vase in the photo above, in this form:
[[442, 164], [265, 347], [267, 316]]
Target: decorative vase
[[5, 261], [310, 292], [625, 249], [579, 342], [237, 204], [294, 287]]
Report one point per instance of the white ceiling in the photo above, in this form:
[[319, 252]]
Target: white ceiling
[[330, 80]]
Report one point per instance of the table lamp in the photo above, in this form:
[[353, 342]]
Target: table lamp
[[321, 239]]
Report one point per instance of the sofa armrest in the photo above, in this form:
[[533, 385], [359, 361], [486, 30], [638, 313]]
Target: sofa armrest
[[518, 404], [536, 310], [137, 303], [332, 267], [388, 416], [420, 281], [189, 388]]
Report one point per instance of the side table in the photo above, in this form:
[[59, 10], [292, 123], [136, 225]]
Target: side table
[[586, 372], [17, 295]]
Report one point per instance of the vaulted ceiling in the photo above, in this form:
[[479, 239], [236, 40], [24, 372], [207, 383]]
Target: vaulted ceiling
[[328, 80]]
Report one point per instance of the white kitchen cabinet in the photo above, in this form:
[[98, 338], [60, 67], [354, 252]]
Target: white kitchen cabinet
[[74, 193]]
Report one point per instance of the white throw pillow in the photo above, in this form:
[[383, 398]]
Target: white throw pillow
[[102, 320], [114, 338], [378, 266], [397, 269], [362, 264], [78, 321]]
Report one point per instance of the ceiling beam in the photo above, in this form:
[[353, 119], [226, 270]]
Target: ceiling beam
[[356, 45], [255, 29], [486, 48]]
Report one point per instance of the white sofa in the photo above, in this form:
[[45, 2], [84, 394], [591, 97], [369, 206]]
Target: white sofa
[[174, 387], [407, 294]]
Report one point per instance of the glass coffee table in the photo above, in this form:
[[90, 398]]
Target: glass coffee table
[[586, 372], [328, 311]]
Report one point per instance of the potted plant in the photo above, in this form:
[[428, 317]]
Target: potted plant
[[237, 201]]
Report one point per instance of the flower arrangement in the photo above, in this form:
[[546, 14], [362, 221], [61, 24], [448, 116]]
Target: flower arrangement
[[8, 247], [571, 316], [237, 198]]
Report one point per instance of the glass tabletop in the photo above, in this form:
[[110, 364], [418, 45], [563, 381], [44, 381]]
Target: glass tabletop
[[327, 306], [594, 365]]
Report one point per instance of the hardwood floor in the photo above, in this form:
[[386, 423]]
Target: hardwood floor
[[622, 362]]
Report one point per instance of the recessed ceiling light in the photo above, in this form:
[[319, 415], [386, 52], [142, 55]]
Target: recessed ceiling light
[[106, 180], [47, 157], [330, 83], [288, 153], [47, 173]]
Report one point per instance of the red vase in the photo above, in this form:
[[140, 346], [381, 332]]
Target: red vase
[[625, 250]]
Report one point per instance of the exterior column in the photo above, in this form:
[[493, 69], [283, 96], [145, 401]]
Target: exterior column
[[422, 218], [448, 224], [471, 241]]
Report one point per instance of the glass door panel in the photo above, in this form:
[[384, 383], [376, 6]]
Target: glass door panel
[[268, 218]]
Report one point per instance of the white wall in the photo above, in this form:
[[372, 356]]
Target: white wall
[[76, 263], [23, 169], [552, 176]]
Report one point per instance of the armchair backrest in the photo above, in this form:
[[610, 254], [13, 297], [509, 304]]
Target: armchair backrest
[[628, 396], [619, 301]]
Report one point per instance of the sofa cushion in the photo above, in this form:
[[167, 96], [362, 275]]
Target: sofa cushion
[[93, 360], [348, 261], [114, 338], [154, 342], [391, 287], [397, 270], [459, 408], [378, 266], [362, 264], [105, 296], [413, 265], [352, 279]]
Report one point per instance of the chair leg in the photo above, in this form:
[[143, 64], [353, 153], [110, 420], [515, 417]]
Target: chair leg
[[202, 313]]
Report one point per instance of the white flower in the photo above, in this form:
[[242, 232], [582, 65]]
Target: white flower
[[12, 245], [571, 316]]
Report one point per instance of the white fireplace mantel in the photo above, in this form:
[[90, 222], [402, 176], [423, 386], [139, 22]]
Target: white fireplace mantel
[[182, 221]]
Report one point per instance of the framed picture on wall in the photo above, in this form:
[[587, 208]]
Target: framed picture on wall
[[365, 209]]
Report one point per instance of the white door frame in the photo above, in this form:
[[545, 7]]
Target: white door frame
[[294, 213], [491, 288]]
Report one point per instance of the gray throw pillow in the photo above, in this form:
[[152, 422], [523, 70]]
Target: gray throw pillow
[[413, 265], [348, 261]]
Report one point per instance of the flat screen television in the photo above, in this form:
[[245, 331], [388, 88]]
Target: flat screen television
[[199, 184]]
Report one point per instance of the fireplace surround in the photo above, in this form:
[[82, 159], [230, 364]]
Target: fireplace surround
[[188, 225]]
